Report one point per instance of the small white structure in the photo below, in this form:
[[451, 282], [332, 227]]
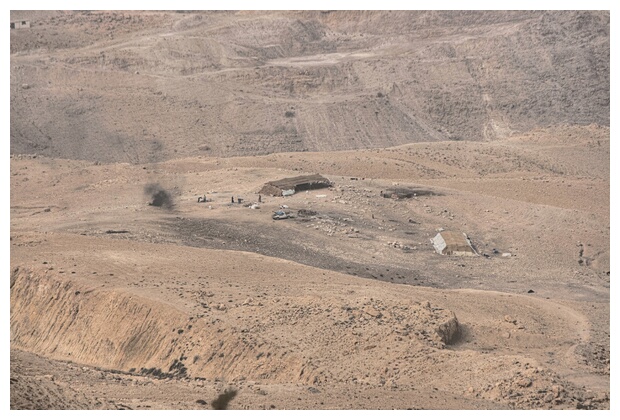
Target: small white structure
[[453, 243], [20, 24]]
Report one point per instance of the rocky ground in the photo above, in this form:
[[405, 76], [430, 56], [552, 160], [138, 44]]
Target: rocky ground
[[423, 121], [348, 298]]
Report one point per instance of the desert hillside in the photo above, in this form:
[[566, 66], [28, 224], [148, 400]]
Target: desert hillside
[[142, 87], [128, 291]]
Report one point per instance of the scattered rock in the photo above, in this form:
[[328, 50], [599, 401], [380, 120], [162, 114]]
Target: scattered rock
[[524, 382], [372, 312]]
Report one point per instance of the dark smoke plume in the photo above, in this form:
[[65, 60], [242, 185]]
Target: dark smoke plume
[[159, 196], [222, 400]]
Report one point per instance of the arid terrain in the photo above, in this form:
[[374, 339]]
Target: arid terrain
[[495, 124]]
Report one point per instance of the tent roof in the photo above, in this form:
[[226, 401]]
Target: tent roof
[[290, 183], [452, 243]]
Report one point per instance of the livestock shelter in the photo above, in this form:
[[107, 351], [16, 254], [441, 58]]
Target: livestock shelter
[[296, 184], [453, 243]]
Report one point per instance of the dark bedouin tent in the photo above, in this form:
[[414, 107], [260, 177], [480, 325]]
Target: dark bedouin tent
[[295, 184], [453, 243]]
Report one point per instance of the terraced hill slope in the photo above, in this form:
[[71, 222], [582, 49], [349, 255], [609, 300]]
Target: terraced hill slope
[[142, 87]]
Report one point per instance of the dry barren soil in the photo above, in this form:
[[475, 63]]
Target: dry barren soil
[[119, 304]]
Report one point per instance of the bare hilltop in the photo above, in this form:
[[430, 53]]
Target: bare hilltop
[[149, 271]]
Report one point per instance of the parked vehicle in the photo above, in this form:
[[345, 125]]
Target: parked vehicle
[[279, 215]]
